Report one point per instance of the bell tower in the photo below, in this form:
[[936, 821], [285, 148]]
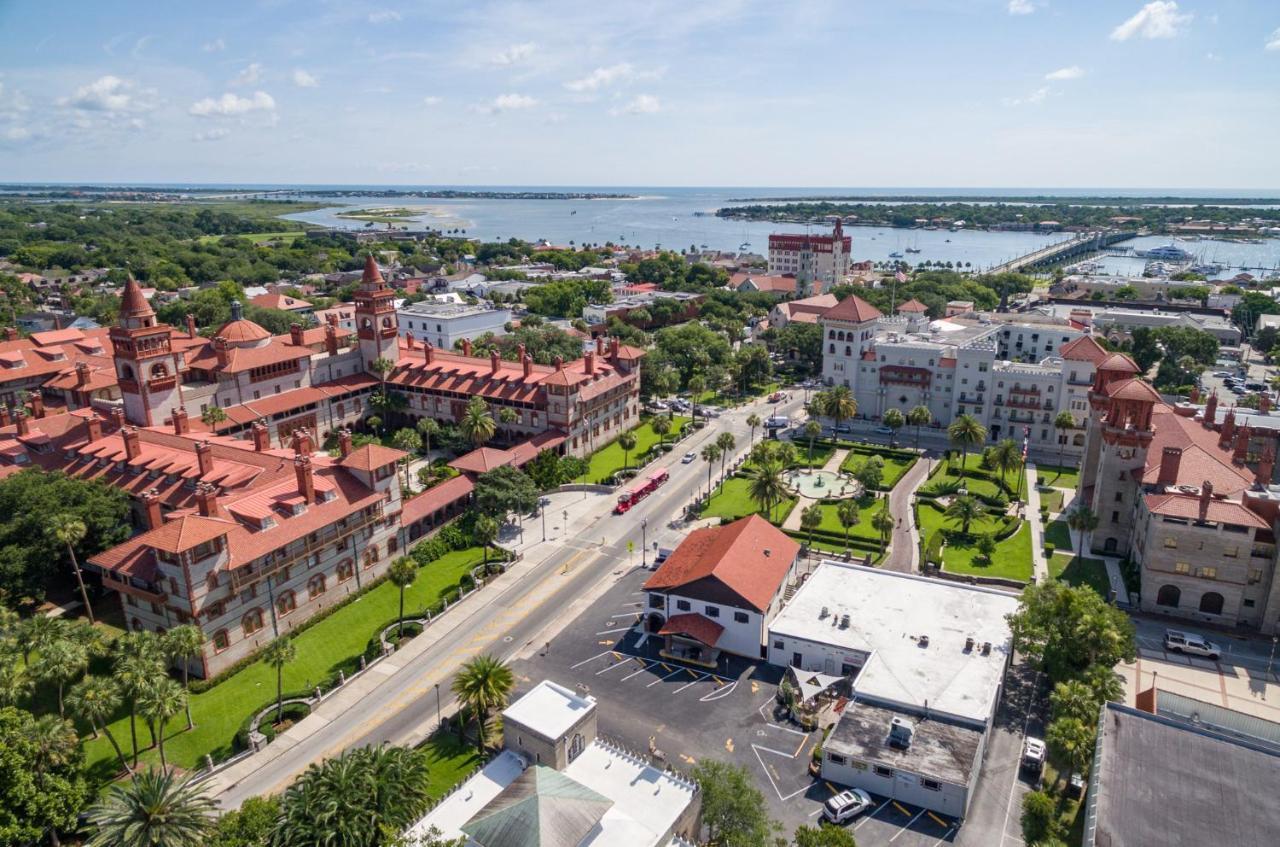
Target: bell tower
[[146, 366], [376, 325]]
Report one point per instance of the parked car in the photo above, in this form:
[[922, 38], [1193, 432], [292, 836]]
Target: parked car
[[1176, 641], [688, 457], [658, 406], [709, 411], [1221, 374], [884, 430], [846, 805], [1255, 386], [1033, 755], [842, 429]]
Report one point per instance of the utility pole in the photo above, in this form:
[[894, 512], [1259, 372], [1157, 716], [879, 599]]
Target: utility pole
[[644, 539]]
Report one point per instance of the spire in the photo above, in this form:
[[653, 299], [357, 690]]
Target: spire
[[237, 311], [133, 303], [372, 276]]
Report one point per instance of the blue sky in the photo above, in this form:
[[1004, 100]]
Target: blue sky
[[663, 92]]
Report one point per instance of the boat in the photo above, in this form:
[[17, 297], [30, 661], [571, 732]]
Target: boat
[[1172, 252], [913, 249], [744, 245], [895, 255]]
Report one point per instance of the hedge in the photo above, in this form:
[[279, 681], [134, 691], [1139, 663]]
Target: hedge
[[294, 711]]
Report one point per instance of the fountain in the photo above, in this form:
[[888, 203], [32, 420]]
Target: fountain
[[822, 485]]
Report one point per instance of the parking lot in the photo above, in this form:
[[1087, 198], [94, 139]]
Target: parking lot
[[683, 714]]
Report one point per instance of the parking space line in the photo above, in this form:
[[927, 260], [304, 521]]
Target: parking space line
[[611, 631], [611, 667], [687, 684], [783, 797], [907, 825], [665, 678], [723, 691], [945, 836], [585, 661], [643, 668], [878, 810]]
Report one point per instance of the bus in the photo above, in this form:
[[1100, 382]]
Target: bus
[[640, 489]]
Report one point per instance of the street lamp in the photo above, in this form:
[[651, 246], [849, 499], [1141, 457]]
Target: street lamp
[[544, 502], [1272, 658], [644, 539], [437, 705]]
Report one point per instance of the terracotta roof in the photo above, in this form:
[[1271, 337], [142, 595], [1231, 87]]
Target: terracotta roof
[[241, 331], [282, 302], [743, 562], [483, 460], [1133, 389], [435, 498], [57, 336], [371, 272], [854, 309], [247, 358], [694, 625], [133, 303], [913, 305], [1202, 459], [371, 456], [186, 532], [1085, 349], [1188, 506], [1119, 362], [764, 282]]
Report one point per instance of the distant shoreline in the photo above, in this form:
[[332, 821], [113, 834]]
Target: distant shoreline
[[81, 192], [1042, 199]]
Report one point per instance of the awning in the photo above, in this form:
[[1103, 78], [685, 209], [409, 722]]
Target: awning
[[693, 626], [812, 683]]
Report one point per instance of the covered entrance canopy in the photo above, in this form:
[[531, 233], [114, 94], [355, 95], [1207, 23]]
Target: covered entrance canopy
[[692, 638]]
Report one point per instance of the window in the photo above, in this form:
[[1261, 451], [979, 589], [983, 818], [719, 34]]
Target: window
[[930, 784], [739, 617], [1207, 573], [656, 601], [881, 770], [346, 570], [1182, 567], [393, 544], [1231, 552], [286, 603], [779, 645], [711, 611], [835, 758], [1248, 604], [1169, 541], [797, 659], [1255, 576], [315, 586], [1119, 496], [1168, 595], [251, 622], [1115, 517], [211, 581], [221, 641], [683, 605]]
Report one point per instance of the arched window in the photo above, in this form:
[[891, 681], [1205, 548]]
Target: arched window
[[315, 586], [221, 641], [831, 348], [848, 351], [346, 570], [286, 603], [1211, 603], [1169, 595], [159, 370], [370, 556], [212, 581], [251, 622], [1077, 440], [366, 323], [126, 371], [386, 323]]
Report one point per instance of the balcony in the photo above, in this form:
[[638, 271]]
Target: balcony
[[249, 575], [128, 586], [972, 399]]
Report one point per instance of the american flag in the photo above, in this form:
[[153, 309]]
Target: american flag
[[900, 276], [1026, 442]]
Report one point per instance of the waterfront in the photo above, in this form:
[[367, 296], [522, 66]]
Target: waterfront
[[1235, 257]]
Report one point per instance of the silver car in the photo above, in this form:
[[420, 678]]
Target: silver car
[[846, 805]]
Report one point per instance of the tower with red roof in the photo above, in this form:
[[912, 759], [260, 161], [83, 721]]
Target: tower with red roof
[[376, 325], [146, 366]]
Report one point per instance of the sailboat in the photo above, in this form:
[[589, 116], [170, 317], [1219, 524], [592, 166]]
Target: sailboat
[[914, 248]]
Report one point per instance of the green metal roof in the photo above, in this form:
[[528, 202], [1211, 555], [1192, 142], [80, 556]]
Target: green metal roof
[[541, 808]]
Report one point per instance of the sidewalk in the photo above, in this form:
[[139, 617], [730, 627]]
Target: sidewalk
[[1039, 567], [904, 544]]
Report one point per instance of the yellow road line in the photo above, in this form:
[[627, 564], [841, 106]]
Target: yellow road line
[[900, 808], [831, 788], [940, 821], [803, 741], [664, 667]]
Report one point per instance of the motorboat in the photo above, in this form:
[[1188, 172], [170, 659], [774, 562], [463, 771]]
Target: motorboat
[[1170, 252]]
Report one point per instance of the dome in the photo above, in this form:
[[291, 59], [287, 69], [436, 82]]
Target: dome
[[1119, 362], [242, 331]]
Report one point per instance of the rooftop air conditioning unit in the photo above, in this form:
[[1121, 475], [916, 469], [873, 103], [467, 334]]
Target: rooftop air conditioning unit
[[968, 644], [900, 732], [823, 614], [844, 621], [986, 648], [923, 641]]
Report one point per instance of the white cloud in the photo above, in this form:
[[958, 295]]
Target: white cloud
[[507, 103], [107, 94], [1157, 19], [230, 105], [17, 133], [602, 77], [515, 54], [302, 79], [432, 100], [214, 134], [643, 104], [1021, 7], [384, 16], [1032, 99], [1071, 72], [215, 46], [1273, 40], [251, 74]]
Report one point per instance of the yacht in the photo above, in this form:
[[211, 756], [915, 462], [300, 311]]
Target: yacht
[[913, 249], [895, 255], [1177, 254]]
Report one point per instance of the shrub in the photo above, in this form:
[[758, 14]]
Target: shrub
[[1048, 550], [454, 536], [1039, 822], [430, 550], [466, 583]]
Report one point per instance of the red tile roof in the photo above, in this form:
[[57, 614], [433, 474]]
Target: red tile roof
[[483, 460], [371, 456], [1085, 349], [744, 562], [1188, 506], [764, 282], [435, 498], [283, 302], [1202, 459], [695, 626], [854, 309], [241, 331], [1133, 389], [133, 303], [1119, 362], [186, 532], [913, 305]]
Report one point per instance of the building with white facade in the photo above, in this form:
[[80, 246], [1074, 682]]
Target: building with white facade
[[816, 261], [444, 325]]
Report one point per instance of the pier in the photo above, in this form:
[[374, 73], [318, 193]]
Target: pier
[[1081, 245]]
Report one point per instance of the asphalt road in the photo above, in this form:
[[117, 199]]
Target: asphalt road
[[402, 708]]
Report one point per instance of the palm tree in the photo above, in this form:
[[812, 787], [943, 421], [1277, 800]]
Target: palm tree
[[710, 453], [182, 644], [919, 416], [137, 664], [35, 633], [811, 519], [1082, 520], [156, 809], [95, 699], [382, 368], [159, 702], [726, 442], [15, 680], [753, 421], [277, 654], [402, 573], [812, 429], [212, 416], [410, 442], [893, 419], [850, 516], [696, 385], [483, 685], [1005, 457], [765, 485], [839, 405], [1063, 423], [54, 742], [477, 424], [69, 531], [507, 415], [1072, 741], [626, 441], [485, 533], [966, 431], [964, 510], [882, 522], [61, 662], [428, 429], [661, 425]]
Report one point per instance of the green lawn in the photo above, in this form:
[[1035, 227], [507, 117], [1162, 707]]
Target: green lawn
[[946, 473], [1011, 560], [732, 501], [931, 520], [821, 454], [333, 643], [1059, 535], [607, 461], [1052, 499], [257, 237], [449, 761], [1090, 572], [867, 507], [1059, 477], [894, 468]]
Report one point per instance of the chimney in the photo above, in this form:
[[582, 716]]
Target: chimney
[[5, 419], [613, 348], [344, 442], [207, 500], [204, 455], [1211, 411], [37, 404], [1228, 430], [261, 436], [1195, 394], [428, 352], [306, 481], [330, 340], [589, 361], [10, 334], [20, 416], [302, 443], [117, 418], [222, 350], [93, 428], [411, 341], [466, 346], [1242, 445], [1267, 464], [151, 504], [559, 363], [599, 345], [495, 361], [181, 424], [527, 362], [295, 334], [520, 351], [1169, 461], [82, 373], [331, 319], [132, 443], [191, 326], [1206, 494], [1264, 403]]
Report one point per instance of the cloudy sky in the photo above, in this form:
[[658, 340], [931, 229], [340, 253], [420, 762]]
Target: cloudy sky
[[663, 92]]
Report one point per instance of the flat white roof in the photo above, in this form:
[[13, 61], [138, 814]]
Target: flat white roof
[[549, 709], [888, 612], [473, 795]]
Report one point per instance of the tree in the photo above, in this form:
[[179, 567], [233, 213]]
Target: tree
[[919, 416], [155, 809], [753, 421], [70, 531], [477, 424], [986, 547], [15, 680], [482, 685], [1039, 818], [1005, 457], [182, 644], [382, 368], [849, 516], [966, 431], [484, 533], [137, 664], [95, 700], [661, 425], [882, 522], [402, 573], [1063, 422], [765, 485], [1073, 698], [823, 835], [158, 703], [871, 473], [545, 470], [62, 662], [812, 429], [710, 453], [410, 442], [212, 416], [1068, 629], [1082, 520], [41, 786], [374, 423], [964, 510], [428, 429], [726, 442], [733, 809], [697, 385], [251, 825], [505, 490], [1072, 741], [894, 419], [811, 519], [839, 405], [277, 654], [626, 441]]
